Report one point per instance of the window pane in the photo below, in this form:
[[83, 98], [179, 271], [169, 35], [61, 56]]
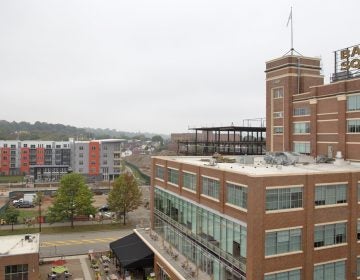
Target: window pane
[[270, 244], [284, 198]]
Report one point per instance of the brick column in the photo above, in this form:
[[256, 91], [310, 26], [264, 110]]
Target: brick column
[[313, 127], [342, 124]]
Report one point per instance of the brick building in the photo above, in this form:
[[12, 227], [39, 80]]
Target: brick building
[[19, 257], [306, 116], [284, 216]]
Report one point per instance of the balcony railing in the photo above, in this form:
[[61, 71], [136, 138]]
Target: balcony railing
[[177, 261], [233, 262]]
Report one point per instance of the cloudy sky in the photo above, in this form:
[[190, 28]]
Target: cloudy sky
[[155, 65]]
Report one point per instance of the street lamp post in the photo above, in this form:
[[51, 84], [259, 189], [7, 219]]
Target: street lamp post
[[40, 218], [39, 199]]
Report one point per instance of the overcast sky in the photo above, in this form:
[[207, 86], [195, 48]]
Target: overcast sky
[[156, 65]]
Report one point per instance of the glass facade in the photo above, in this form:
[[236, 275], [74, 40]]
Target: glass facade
[[236, 195], [189, 181], [159, 172], [282, 241], [353, 102], [330, 194], [330, 271], [330, 234], [201, 235], [284, 198], [300, 128], [18, 272], [173, 176], [287, 275], [210, 187]]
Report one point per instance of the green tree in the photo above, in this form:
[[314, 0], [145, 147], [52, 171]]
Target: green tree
[[72, 198], [158, 138], [38, 200], [11, 216], [125, 195]]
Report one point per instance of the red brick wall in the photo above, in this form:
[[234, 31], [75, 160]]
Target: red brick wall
[[32, 260], [5, 160]]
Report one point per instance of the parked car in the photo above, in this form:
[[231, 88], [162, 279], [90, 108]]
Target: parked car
[[24, 204], [104, 208], [17, 201]]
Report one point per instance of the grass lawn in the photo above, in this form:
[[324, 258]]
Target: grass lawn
[[27, 214], [65, 229], [11, 179]]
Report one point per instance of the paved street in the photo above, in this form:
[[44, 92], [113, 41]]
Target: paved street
[[78, 243]]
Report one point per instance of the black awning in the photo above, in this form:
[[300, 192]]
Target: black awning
[[132, 252]]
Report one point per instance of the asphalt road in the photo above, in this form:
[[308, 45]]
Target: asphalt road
[[78, 243]]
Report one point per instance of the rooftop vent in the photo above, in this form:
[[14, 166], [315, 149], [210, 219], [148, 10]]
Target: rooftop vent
[[339, 159], [282, 158]]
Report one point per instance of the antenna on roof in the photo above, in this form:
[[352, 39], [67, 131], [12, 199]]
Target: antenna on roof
[[292, 50]]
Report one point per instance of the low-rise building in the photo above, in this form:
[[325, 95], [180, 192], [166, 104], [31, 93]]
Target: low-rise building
[[19, 257]]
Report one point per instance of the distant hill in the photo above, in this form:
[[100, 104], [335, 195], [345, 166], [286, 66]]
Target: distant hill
[[60, 132]]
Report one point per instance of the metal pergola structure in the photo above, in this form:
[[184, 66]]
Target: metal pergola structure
[[226, 140]]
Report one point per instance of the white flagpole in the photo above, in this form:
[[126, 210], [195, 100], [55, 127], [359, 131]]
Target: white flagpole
[[292, 31]]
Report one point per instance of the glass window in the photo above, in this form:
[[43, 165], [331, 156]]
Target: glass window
[[159, 172], [278, 115], [173, 176], [283, 241], [331, 194], [18, 272], [330, 271], [278, 93], [301, 128], [302, 147], [210, 187], [353, 102], [284, 198], [236, 195], [189, 181], [358, 230], [353, 126], [302, 111], [278, 130], [358, 266], [287, 275], [331, 234]]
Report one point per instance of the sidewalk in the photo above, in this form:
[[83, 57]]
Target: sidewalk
[[60, 224]]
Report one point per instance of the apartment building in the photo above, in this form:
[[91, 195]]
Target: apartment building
[[49, 160], [284, 216], [22, 157], [98, 159]]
